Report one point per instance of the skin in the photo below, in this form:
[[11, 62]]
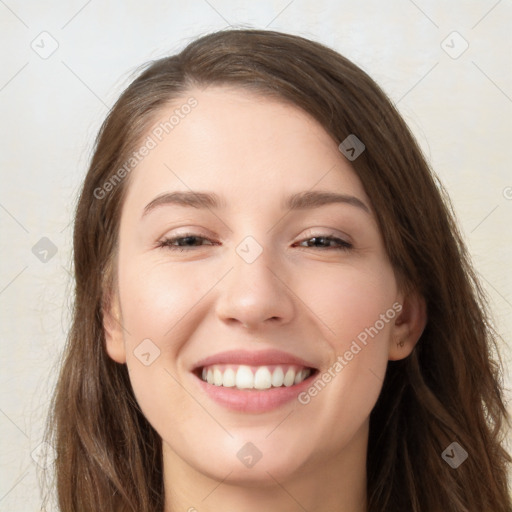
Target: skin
[[309, 301]]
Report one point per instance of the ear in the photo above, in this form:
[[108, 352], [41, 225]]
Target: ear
[[112, 326], [408, 326]]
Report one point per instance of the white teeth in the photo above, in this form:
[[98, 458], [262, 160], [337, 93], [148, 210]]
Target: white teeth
[[262, 377], [299, 377], [244, 378], [217, 377], [229, 379], [278, 377], [302, 375], [289, 378]]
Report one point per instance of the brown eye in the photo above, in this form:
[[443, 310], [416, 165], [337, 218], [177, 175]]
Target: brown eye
[[326, 242], [184, 242]]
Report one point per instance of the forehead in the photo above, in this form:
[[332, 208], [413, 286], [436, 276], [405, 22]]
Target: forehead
[[249, 148]]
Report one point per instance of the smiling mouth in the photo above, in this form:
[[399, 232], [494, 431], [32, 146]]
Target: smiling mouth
[[259, 378]]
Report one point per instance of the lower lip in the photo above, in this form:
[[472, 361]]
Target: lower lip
[[253, 400]]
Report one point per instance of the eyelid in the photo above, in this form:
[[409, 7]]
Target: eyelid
[[327, 232], [310, 233], [185, 231]]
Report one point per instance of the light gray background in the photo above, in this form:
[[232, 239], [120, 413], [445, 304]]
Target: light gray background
[[459, 108]]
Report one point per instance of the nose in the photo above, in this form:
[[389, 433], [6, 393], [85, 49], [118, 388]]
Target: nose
[[255, 295]]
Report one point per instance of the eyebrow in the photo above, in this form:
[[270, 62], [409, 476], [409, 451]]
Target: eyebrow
[[298, 201]]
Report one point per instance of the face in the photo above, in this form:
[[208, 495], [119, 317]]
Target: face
[[258, 306]]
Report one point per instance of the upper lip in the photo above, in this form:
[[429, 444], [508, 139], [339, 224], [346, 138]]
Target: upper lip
[[253, 358]]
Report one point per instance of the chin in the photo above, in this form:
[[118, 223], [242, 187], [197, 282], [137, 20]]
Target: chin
[[252, 463]]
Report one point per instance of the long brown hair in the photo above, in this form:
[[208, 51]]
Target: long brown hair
[[449, 389]]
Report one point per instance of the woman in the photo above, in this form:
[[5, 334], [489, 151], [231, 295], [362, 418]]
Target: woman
[[274, 308]]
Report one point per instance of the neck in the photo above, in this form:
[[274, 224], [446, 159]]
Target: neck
[[334, 482]]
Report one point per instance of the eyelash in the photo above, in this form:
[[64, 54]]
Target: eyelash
[[168, 243]]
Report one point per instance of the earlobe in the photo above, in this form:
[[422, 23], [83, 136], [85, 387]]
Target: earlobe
[[408, 327], [114, 342]]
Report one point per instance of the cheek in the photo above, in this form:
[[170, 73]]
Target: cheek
[[348, 300], [155, 298], [155, 303], [356, 309]]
